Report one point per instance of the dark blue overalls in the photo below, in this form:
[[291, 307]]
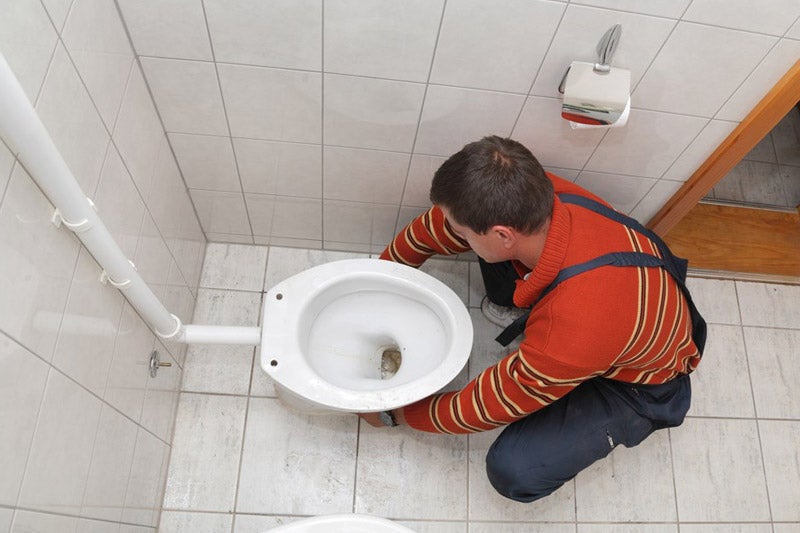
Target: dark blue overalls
[[536, 455]]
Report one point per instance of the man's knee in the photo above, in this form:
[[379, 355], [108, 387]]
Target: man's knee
[[515, 481]]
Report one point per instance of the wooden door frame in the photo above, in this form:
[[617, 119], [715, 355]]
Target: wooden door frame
[[757, 124]]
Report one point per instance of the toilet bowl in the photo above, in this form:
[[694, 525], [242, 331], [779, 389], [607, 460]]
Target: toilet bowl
[[346, 523], [362, 335]]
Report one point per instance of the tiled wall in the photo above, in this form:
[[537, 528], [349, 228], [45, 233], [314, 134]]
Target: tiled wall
[[86, 432], [319, 123]]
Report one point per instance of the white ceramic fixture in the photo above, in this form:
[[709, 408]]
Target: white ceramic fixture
[[344, 523]]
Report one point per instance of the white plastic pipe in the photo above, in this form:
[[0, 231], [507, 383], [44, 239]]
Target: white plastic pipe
[[27, 137]]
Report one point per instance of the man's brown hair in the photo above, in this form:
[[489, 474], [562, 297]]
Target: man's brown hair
[[494, 181]]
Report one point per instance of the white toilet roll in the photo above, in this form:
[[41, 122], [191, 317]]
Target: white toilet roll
[[621, 121]]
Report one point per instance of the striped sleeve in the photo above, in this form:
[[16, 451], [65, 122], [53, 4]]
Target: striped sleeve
[[501, 394], [425, 236]]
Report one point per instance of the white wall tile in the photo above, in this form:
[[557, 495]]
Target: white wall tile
[[229, 238], [118, 203], [638, 528], [279, 33], [27, 39], [152, 257], [654, 200], [420, 175], [722, 60], [72, 121], [358, 223], [128, 374], [393, 478], [112, 456], [364, 175], [492, 46], [32, 521], [161, 397], [187, 95], [623, 192], [453, 117], [660, 8], [647, 145], [643, 474], [770, 353], [221, 212], [782, 464], [86, 339], [206, 161], [140, 138], [541, 128], [381, 39], [580, 31], [773, 17], [6, 164], [794, 31], [36, 265], [61, 451], [177, 522], [22, 382], [204, 465], [721, 385], [143, 497], [277, 216], [485, 503], [771, 69], [273, 104], [97, 42], [371, 113], [700, 149], [311, 451], [704, 447], [168, 29], [287, 169]]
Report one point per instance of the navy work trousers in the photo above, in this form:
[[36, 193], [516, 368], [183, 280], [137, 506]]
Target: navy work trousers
[[539, 453]]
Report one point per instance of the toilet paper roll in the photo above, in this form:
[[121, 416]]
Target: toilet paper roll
[[621, 121]]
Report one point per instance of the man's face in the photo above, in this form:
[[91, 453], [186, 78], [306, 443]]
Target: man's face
[[488, 246]]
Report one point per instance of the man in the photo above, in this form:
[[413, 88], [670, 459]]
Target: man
[[609, 340]]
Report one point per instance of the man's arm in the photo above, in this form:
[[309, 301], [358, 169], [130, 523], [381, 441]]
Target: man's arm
[[425, 236]]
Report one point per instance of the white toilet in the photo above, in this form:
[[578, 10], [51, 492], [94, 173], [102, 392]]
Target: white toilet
[[362, 335], [345, 523]]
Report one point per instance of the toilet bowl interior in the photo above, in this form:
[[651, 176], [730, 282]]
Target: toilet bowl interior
[[374, 332]]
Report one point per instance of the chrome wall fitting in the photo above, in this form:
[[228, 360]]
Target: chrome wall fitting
[[155, 363]]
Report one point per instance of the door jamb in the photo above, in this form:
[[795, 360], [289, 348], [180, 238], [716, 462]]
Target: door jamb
[[757, 124]]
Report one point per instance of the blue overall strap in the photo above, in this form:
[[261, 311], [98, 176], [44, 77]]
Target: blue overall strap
[[674, 265], [639, 259]]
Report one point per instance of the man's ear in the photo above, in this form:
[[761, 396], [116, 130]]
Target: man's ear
[[506, 234]]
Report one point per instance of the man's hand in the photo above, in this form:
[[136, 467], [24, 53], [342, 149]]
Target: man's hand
[[373, 419]]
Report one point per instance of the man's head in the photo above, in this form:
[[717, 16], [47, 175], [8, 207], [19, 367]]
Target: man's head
[[492, 182]]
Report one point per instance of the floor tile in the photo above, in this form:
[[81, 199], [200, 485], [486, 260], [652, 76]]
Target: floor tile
[[769, 304], [772, 355], [218, 368], [627, 528], [726, 528], [721, 383], [715, 299], [404, 473], [311, 459], [227, 308], [233, 266], [521, 527], [261, 384], [179, 522], [719, 475], [246, 523], [485, 503], [204, 464], [434, 527], [454, 274], [779, 442], [642, 474]]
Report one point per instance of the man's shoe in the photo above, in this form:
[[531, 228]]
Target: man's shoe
[[500, 315]]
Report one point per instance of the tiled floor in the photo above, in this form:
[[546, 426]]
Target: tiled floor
[[242, 463], [769, 175]]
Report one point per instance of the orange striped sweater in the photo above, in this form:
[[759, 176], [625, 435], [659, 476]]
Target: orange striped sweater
[[630, 324]]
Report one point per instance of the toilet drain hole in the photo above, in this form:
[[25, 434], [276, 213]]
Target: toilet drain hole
[[391, 358]]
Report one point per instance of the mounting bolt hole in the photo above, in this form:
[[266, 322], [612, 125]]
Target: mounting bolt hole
[[273, 363], [279, 296]]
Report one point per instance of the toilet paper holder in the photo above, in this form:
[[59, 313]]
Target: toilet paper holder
[[605, 51]]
